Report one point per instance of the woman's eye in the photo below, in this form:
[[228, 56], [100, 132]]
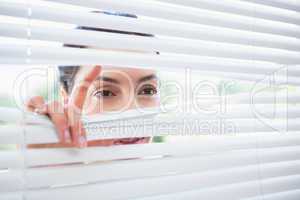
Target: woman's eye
[[147, 90], [104, 93]]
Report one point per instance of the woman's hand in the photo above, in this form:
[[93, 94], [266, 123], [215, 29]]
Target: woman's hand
[[67, 118]]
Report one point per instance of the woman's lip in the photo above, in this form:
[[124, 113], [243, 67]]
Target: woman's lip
[[130, 140]]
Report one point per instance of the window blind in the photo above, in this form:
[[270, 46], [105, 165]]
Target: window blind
[[254, 153]]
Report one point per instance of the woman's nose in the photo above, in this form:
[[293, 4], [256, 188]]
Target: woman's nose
[[132, 104]]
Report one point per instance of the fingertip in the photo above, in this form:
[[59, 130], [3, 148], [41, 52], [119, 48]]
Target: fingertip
[[92, 75], [98, 67], [42, 110], [36, 104]]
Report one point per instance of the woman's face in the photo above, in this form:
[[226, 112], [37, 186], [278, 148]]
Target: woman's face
[[120, 89]]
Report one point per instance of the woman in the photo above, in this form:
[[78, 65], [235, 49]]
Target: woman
[[94, 89]]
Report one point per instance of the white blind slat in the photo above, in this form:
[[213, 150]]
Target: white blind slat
[[98, 39], [136, 189], [12, 196], [286, 4], [231, 191], [194, 176], [191, 15], [17, 54], [192, 47], [287, 195], [70, 175], [243, 8], [144, 25], [207, 145]]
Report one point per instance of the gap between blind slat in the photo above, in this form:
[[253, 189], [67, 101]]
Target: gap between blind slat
[[143, 25]]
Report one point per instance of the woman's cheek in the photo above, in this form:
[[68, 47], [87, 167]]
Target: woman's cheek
[[148, 102], [105, 105], [95, 105]]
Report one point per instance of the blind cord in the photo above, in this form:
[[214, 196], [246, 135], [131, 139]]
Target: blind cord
[[28, 61]]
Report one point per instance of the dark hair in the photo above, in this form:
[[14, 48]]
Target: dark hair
[[67, 73], [66, 76]]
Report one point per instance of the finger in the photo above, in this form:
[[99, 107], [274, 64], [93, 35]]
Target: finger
[[77, 129], [75, 107], [37, 105], [81, 89], [60, 121]]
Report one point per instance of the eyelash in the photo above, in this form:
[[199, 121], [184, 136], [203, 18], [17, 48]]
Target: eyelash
[[106, 93], [103, 94], [147, 87]]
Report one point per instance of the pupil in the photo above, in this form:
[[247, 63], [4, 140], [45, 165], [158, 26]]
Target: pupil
[[148, 91], [106, 93]]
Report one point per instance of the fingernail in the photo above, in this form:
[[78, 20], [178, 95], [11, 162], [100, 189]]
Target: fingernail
[[67, 136], [82, 142]]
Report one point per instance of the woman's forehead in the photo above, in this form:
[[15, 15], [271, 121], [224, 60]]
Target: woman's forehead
[[128, 71], [119, 73]]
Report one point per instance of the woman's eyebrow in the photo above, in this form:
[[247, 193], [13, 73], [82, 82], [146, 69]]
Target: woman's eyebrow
[[112, 80], [108, 79], [147, 78]]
